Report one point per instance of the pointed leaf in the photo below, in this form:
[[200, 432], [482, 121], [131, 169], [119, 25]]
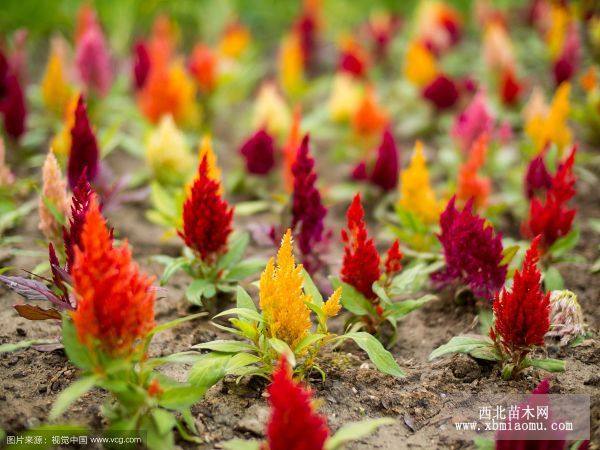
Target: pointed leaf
[[72, 393], [382, 359]]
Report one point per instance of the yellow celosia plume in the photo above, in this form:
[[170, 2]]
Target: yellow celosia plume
[[346, 95], [282, 299], [271, 111], [416, 193], [420, 66], [56, 91], [206, 149], [61, 142], [291, 65], [235, 41], [557, 31]]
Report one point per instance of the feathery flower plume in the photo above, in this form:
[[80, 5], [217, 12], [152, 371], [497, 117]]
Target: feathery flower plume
[[6, 176], [420, 65], [537, 178], [346, 97], [282, 300], [84, 155], [569, 60], [442, 92], [522, 315], [307, 27], [566, 317], [386, 168], [80, 204], [167, 153], [510, 87], [354, 59], [56, 92], [438, 25], [381, 28], [470, 184], [259, 153], [93, 60], [416, 194], [472, 251], [271, 111], [12, 100], [61, 142], [115, 301], [206, 217], [235, 40], [204, 65], [291, 149], [290, 64], [497, 47], [141, 64], [161, 45], [552, 218], [308, 211], [54, 191], [293, 423], [370, 118], [393, 259], [475, 120], [206, 150]]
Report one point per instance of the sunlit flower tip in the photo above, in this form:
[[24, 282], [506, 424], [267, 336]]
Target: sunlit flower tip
[[438, 24], [549, 124], [537, 178], [235, 40], [510, 87], [589, 80], [167, 153], [393, 259], [206, 150], [308, 212], [569, 60], [115, 301], [370, 118], [84, 154], [271, 111], [161, 45], [566, 316], [282, 299], [61, 142], [291, 64], [259, 153], [386, 168], [85, 20], [346, 97], [557, 29], [6, 176], [522, 315], [420, 65], [204, 65], [80, 204], [293, 423], [361, 262], [470, 184], [472, 122], [290, 149], [207, 218], [442, 92], [416, 193], [141, 64], [332, 306], [472, 252], [354, 59], [497, 47], [54, 192], [12, 100], [93, 60], [56, 92]]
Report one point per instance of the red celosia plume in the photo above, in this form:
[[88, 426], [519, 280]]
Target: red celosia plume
[[442, 92], [80, 203], [510, 87], [206, 217], [115, 301], [293, 424], [141, 64], [84, 155], [385, 171], [537, 179], [259, 153], [393, 259], [522, 315], [12, 100]]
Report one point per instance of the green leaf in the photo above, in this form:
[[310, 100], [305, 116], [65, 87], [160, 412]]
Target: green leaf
[[484, 444], [245, 269], [196, 290], [241, 360], [549, 364], [164, 420], [380, 292], [461, 344], [507, 371], [250, 208], [208, 371], [564, 244], [354, 431], [223, 346], [353, 300], [172, 268], [486, 321], [400, 309], [487, 353], [283, 349], [412, 279], [240, 444], [243, 299], [78, 353], [508, 254], [553, 280], [237, 247], [308, 340], [382, 359], [245, 313], [180, 397], [72, 393], [11, 347], [173, 323], [311, 289]]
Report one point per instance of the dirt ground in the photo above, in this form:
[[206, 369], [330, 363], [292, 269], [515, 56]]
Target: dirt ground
[[423, 403]]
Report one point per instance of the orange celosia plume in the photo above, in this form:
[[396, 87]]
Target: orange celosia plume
[[470, 184]]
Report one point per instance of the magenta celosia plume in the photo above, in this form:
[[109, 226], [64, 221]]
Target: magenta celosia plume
[[537, 178], [93, 60], [475, 120], [84, 155], [442, 92], [385, 171], [570, 58], [141, 64], [12, 100], [472, 251], [259, 153], [80, 203]]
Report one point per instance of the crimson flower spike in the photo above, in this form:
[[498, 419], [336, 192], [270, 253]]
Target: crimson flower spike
[[80, 203], [385, 171], [12, 100], [84, 153], [259, 153]]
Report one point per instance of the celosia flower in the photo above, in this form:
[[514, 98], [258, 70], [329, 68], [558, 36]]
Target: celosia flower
[[290, 65], [308, 211], [332, 306], [206, 217], [537, 178], [556, 32], [306, 27], [86, 19], [475, 120], [204, 65], [568, 62], [420, 65], [370, 118], [416, 194], [80, 204], [84, 154], [442, 92], [169, 90], [167, 153], [12, 100], [235, 40], [6, 176], [282, 300], [438, 25], [393, 259], [470, 184], [206, 150], [55, 88], [115, 301], [141, 64], [271, 111], [566, 317], [61, 142], [381, 27], [510, 87], [385, 170], [290, 150], [361, 263], [93, 60], [54, 191], [549, 125], [472, 251], [497, 47], [552, 218], [293, 423], [346, 97], [259, 153], [162, 43], [354, 59], [522, 315]]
